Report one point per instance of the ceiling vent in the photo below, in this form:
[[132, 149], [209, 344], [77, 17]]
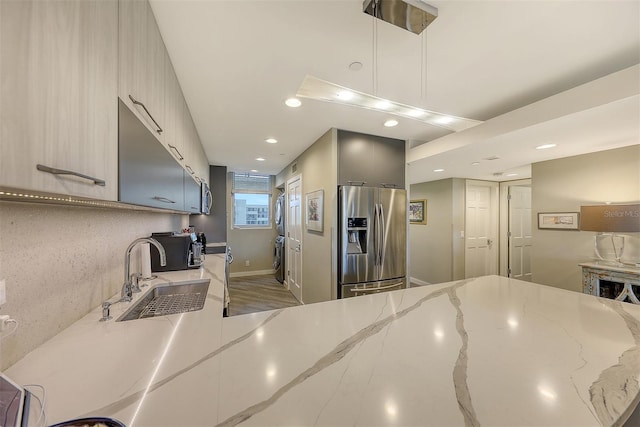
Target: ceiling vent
[[411, 15]]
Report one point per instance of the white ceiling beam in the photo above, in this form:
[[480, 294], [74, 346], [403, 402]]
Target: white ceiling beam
[[613, 87]]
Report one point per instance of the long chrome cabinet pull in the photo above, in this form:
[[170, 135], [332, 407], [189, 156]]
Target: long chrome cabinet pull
[[188, 168], [159, 130], [162, 199], [365, 290], [179, 156], [55, 171]]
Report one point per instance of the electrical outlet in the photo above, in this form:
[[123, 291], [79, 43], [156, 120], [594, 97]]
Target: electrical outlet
[[247, 263]]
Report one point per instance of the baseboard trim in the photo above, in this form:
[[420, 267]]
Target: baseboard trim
[[252, 273], [413, 280]]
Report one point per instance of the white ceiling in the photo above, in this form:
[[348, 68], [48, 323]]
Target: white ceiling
[[237, 61]]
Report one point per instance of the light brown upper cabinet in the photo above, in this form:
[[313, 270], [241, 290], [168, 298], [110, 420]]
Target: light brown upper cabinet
[[174, 106], [180, 136], [196, 162], [142, 61], [58, 106]]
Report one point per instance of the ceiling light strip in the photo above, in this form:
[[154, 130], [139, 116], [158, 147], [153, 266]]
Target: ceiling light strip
[[321, 90]]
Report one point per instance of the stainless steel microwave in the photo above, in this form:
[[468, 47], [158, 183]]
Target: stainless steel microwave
[[206, 198]]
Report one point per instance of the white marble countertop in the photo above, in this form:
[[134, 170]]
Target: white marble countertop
[[611, 267], [486, 351]]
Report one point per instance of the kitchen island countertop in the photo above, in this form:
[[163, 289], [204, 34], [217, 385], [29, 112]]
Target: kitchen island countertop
[[484, 351]]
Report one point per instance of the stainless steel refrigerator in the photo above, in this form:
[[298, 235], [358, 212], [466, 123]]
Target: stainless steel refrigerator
[[372, 240]]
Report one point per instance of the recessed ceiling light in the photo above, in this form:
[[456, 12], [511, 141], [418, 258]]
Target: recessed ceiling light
[[438, 170], [512, 174], [260, 159], [391, 123], [475, 163], [271, 140], [545, 146], [383, 105], [254, 170], [293, 102], [345, 95]]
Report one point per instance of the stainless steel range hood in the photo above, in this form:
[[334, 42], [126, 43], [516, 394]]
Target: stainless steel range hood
[[411, 15]]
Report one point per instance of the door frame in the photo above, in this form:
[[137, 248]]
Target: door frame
[[287, 218], [503, 268]]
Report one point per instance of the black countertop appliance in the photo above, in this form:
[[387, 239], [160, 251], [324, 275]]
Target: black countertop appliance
[[177, 248]]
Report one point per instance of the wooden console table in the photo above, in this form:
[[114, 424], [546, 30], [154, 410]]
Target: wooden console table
[[608, 281]]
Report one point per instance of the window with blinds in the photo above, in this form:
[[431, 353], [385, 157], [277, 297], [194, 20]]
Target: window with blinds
[[251, 200]]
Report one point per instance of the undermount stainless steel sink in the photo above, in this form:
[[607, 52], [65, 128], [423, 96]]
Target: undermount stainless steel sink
[[169, 298]]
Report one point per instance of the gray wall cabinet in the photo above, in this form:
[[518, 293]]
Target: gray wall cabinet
[[191, 194], [148, 174], [375, 161]]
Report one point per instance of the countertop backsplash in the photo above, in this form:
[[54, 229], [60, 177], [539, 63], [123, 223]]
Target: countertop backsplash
[[60, 262]]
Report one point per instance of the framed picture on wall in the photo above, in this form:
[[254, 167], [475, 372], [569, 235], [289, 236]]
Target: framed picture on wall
[[559, 220], [315, 208], [418, 212]]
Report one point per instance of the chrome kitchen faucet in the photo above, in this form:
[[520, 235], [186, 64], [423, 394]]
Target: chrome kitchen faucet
[[131, 280]]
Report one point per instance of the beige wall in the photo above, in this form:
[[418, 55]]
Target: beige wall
[[459, 206], [435, 249], [319, 171], [250, 244], [61, 262], [564, 185]]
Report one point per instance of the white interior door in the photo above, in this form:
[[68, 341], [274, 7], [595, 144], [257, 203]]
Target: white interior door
[[481, 229], [294, 237], [520, 232]]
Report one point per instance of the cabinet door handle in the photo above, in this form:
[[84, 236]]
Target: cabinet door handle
[[188, 168], [179, 156], [159, 130], [55, 171], [358, 183], [385, 185], [162, 199]]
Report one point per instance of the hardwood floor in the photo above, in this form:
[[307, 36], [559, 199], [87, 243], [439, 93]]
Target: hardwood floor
[[258, 293]]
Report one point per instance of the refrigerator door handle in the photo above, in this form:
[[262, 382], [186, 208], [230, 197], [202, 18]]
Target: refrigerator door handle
[[375, 233], [382, 233]]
